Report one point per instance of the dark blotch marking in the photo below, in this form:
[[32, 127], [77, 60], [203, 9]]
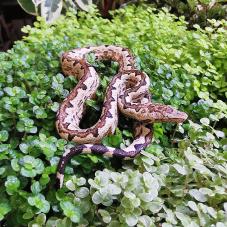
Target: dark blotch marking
[[112, 99], [139, 147], [66, 125], [109, 115], [75, 62], [80, 103], [99, 149], [84, 87], [124, 49], [119, 153], [69, 105], [96, 132], [71, 136], [122, 154]]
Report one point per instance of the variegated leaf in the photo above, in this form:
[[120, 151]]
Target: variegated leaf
[[51, 9], [84, 4]]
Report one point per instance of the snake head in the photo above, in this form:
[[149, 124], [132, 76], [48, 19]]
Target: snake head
[[164, 113]]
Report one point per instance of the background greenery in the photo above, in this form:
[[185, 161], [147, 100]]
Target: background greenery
[[195, 11], [180, 180]]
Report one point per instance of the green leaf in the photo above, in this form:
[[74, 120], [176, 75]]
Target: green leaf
[[41, 219], [105, 215], [71, 211], [4, 135], [28, 6], [39, 202], [35, 187], [12, 184], [4, 209]]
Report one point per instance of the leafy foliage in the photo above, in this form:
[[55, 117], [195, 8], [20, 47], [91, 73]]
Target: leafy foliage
[[196, 11], [50, 10], [179, 180]]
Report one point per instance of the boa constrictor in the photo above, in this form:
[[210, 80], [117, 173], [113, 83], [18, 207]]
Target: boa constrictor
[[127, 92]]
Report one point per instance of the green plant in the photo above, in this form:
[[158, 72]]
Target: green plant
[[180, 180], [51, 9], [195, 11]]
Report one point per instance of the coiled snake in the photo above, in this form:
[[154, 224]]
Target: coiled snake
[[127, 92]]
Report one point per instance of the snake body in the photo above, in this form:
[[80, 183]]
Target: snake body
[[127, 92]]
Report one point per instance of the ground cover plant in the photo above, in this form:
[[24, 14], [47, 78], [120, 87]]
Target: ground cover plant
[[196, 11], [179, 180]]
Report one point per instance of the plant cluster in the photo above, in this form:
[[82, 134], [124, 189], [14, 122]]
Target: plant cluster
[[179, 180], [195, 11], [50, 10]]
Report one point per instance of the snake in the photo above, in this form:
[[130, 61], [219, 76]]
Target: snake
[[127, 92]]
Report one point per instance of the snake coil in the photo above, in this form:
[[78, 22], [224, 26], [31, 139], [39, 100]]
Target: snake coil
[[128, 92]]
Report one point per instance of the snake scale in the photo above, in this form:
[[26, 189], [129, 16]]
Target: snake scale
[[128, 92]]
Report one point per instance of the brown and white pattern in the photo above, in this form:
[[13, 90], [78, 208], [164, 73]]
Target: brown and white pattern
[[127, 92]]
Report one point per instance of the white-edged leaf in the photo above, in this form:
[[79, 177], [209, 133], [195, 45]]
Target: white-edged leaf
[[185, 219], [150, 181], [202, 169], [82, 192], [114, 189], [205, 121], [84, 4], [51, 9], [170, 217], [145, 220], [97, 198], [105, 215], [148, 197], [219, 133], [70, 185], [207, 191], [180, 169], [131, 220], [191, 157], [212, 212], [129, 195], [220, 224], [195, 193], [192, 205], [156, 205], [225, 207]]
